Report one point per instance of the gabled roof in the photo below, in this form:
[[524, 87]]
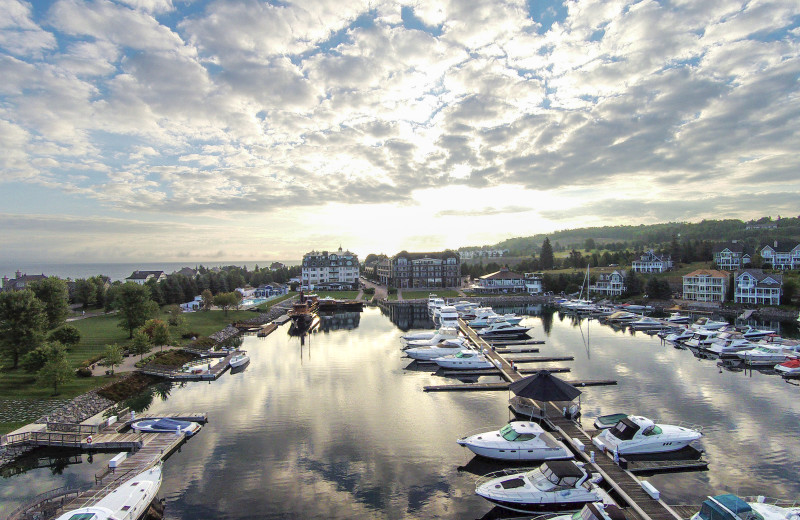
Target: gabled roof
[[762, 278], [707, 272], [502, 274], [143, 275], [730, 246], [783, 246]]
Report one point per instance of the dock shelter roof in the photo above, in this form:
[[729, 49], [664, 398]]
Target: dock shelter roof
[[544, 386]]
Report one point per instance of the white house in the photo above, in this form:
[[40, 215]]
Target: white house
[[142, 277], [782, 254], [193, 305], [610, 284], [754, 286], [534, 283], [502, 281], [730, 256], [650, 262], [705, 285], [323, 270]]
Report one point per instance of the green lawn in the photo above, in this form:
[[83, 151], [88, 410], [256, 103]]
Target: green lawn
[[441, 293]]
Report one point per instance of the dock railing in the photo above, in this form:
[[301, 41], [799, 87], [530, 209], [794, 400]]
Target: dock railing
[[24, 512]]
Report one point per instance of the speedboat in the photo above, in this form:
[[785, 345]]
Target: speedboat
[[477, 312], [517, 440], [728, 347], [701, 338], [680, 336], [754, 333], [708, 324], [790, 367], [441, 335], [731, 507], [485, 321], [127, 502], [609, 421], [556, 484], [239, 360], [763, 355], [645, 323], [466, 359], [636, 434], [622, 317], [503, 329], [166, 425], [428, 334], [445, 348], [677, 317], [465, 306]]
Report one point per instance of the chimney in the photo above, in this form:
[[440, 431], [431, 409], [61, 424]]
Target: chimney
[[5, 281], [776, 244]]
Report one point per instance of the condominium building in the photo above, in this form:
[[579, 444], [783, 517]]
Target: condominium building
[[730, 256], [502, 281], [705, 285], [650, 262], [781, 254], [755, 286], [534, 283], [333, 271], [421, 270], [610, 284]]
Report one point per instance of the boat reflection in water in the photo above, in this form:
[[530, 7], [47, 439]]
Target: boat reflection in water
[[344, 320]]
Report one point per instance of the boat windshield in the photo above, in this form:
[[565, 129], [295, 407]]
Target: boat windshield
[[727, 510], [553, 478], [510, 434], [464, 354], [652, 430]]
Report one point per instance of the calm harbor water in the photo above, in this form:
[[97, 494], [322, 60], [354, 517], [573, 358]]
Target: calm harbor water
[[338, 426]]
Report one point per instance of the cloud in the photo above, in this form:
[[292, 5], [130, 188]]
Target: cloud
[[483, 212]]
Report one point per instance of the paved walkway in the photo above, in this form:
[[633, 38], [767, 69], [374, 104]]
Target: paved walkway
[[128, 363], [380, 290]]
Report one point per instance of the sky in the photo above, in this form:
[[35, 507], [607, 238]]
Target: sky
[[182, 130]]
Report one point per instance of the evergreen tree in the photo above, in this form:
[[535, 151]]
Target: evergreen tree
[[22, 324], [53, 293], [546, 256]]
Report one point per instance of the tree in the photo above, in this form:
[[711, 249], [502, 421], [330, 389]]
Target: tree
[[140, 343], [53, 293], [227, 300], [546, 256], [176, 319], [67, 335], [135, 306], [788, 291], [207, 300], [158, 332], [34, 360], [576, 259], [57, 370], [22, 323], [633, 284], [113, 357], [658, 288], [85, 293], [589, 244]]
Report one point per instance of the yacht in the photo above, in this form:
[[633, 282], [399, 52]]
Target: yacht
[[731, 507], [445, 348], [447, 316], [680, 336], [677, 317], [754, 333], [465, 306], [434, 304], [485, 321], [441, 335], [701, 338], [646, 323], [708, 324], [503, 329], [556, 484], [464, 360], [728, 347], [763, 355], [622, 317], [166, 425], [635, 434], [517, 440], [477, 312], [129, 501]]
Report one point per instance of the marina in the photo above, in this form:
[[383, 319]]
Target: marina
[[299, 415]]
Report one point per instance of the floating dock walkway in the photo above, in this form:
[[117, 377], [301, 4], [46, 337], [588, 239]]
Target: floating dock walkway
[[173, 374]]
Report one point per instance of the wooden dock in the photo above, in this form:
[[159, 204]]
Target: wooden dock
[[280, 320], [504, 386], [266, 330], [662, 466], [496, 372], [211, 374], [539, 359], [517, 350]]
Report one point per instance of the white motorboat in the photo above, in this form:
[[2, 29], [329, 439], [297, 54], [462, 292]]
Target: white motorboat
[[517, 440], [166, 425], [763, 355], [466, 359], [434, 304], [442, 334], [608, 421], [622, 317], [129, 501], [731, 507], [447, 316], [593, 511], [556, 484], [636, 434], [427, 334], [646, 323], [465, 306], [677, 317], [728, 347], [680, 336], [445, 348], [239, 360], [790, 367], [485, 321], [503, 329], [754, 333], [477, 312], [708, 324], [701, 338]]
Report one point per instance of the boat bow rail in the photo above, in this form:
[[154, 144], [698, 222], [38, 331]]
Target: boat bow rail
[[508, 472]]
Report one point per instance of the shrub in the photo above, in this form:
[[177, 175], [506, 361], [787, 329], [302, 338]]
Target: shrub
[[92, 360], [83, 372], [369, 291], [190, 335], [392, 290]]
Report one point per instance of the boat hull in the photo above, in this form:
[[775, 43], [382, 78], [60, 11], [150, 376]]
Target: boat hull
[[541, 507], [519, 454]]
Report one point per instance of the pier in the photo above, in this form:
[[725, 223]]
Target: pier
[[174, 374]]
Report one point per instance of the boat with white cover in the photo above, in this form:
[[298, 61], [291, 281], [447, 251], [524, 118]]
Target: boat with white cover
[[636, 435], [445, 348], [701, 338], [517, 440], [556, 484], [239, 360], [708, 324], [728, 347], [646, 323], [731, 507], [464, 360], [680, 336], [442, 334], [503, 329], [487, 320], [763, 355], [677, 317], [622, 317], [129, 501], [166, 425]]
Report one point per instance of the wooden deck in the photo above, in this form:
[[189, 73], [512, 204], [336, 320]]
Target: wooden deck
[[495, 372], [496, 387], [266, 330], [211, 374]]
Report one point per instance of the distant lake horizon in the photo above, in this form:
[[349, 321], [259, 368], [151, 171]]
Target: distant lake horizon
[[119, 270]]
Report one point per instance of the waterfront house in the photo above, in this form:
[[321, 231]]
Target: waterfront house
[[194, 305], [650, 262], [502, 281], [421, 270], [730, 256], [705, 285], [142, 277], [781, 254], [337, 270], [534, 283], [188, 272], [610, 284], [755, 286], [271, 289], [21, 282]]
